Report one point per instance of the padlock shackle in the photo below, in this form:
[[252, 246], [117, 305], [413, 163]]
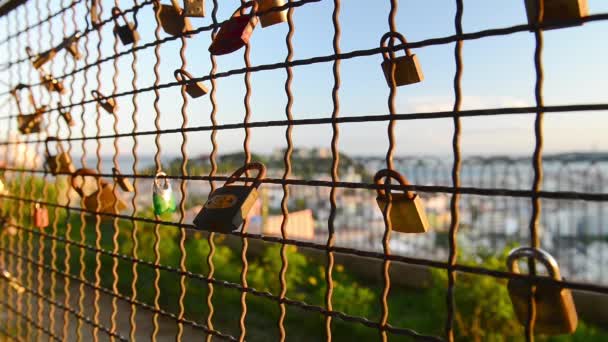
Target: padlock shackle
[[249, 166], [116, 13], [83, 172], [15, 92], [59, 145], [389, 38], [387, 173], [29, 52], [162, 175], [536, 254], [98, 96], [239, 11], [181, 75]]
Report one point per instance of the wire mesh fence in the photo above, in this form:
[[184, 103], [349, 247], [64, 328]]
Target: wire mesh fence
[[99, 97]]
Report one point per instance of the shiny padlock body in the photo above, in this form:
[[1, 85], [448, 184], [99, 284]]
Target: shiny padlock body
[[30, 123], [41, 217], [226, 208], [555, 309], [274, 17], [61, 163], [407, 215], [67, 116], [233, 35], [194, 8], [556, 11], [52, 84], [407, 70], [44, 58], [108, 105], [164, 202], [172, 21], [126, 33], [109, 201], [197, 89]]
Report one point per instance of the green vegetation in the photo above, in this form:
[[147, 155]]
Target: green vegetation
[[483, 309]]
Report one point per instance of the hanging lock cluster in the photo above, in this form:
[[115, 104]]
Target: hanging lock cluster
[[555, 309], [228, 206], [406, 212], [104, 199], [162, 195]]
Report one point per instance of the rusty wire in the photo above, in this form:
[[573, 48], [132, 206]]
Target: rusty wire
[[451, 266]]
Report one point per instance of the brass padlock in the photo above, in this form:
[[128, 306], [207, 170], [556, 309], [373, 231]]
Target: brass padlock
[[406, 69], [555, 309], [556, 12], [194, 8], [236, 31], [41, 216], [172, 19], [40, 59], [28, 123], [65, 114], [51, 83], [105, 199], [127, 32], [407, 212], [71, 44], [94, 11], [273, 17], [60, 162], [196, 89], [227, 207], [123, 182], [108, 104]]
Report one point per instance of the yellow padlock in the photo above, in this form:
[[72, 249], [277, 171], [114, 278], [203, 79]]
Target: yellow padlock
[[556, 11], [194, 89], [105, 199], [108, 104], [555, 309], [406, 69], [273, 17], [172, 19], [407, 212]]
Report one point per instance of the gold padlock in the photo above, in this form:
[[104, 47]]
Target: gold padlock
[[555, 309], [407, 212], [273, 17], [105, 199], [28, 123], [406, 69], [123, 182], [172, 18], [196, 89], [194, 8], [40, 59], [71, 44], [65, 114], [108, 104], [556, 12], [51, 83], [61, 162]]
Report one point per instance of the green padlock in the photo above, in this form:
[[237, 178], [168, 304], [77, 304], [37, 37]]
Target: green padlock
[[162, 195]]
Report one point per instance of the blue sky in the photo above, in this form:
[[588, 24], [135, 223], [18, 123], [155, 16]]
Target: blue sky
[[498, 71]]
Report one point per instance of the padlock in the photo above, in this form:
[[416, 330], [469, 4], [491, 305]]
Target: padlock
[[28, 123], [60, 162], [194, 8], [196, 89], [12, 281], [40, 59], [127, 32], [94, 11], [557, 12], [108, 104], [235, 32], [274, 17], [71, 44], [123, 182], [407, 212], [105, 199], [65, 114], [227, 207], [51, 83], [555, 309], [172, 19], [8, 225], [406, 69], [41, 216], [162, 195]]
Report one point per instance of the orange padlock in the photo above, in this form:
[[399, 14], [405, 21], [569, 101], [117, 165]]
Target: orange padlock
[[109, 104], [196, 89], [41, 216], [172, 18], [405, 70], [235, 32]]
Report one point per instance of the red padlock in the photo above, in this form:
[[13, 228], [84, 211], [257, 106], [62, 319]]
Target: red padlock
[[235, 33], [41, 216]]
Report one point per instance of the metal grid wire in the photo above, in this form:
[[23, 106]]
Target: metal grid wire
[[70, 306]]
